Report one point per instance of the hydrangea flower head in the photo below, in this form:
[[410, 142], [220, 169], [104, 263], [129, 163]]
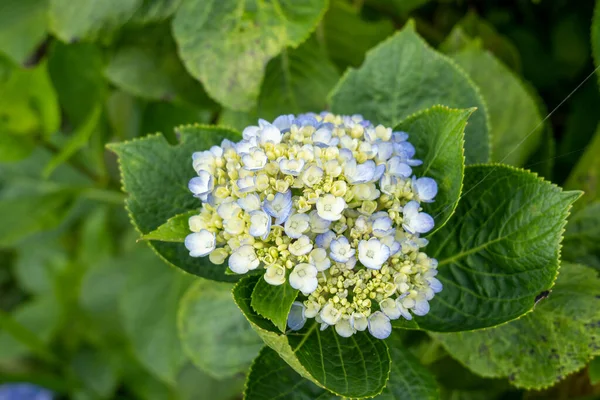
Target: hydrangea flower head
[[328, 204]]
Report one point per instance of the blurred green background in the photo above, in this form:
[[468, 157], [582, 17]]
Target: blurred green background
[[90, 313]]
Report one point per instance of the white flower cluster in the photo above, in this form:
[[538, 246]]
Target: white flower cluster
[[328, 204]]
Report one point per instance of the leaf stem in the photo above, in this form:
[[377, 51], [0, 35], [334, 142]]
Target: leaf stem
[[74, 162]]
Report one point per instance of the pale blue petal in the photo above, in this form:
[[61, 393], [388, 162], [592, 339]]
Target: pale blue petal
[[427, 189], [284, 122], [296, 318], [422, 223], [324, 240]]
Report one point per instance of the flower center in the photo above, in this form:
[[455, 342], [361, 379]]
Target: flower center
[[294, 225], [301, 273], [327, 207], [370, 253]]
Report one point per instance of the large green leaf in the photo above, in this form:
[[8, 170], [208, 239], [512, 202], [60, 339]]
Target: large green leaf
[[145, 63], [89, 19], [270, 377], [516, 122], [213, 332], [354, 367], [558, 338], [226, 44], [409, 380], [77, 69], [438, 134], [22, 27], [499, 251], [586, 174], [148, 306], [403, 75], [348, 36], [582, 236], [273, 302], [155, 175]]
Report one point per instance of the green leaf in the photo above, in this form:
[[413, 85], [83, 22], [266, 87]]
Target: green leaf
[[354, 367], [403, 75], [22, 28], [15, 147], [438, 134], [148, 306], [89, 19], [39, 259], [226, 45], [594, 371], [174, 230], [516, 122], [29, 329], [124, 113], [472, 27], [155, 175], [145, 63], [558, 338], [28, 208], [29, 105], [596, 36], [409, 380], [458, 383], [76, 141], [161, 116], [499, 251], [270, 377], [273, 302], [213, 332], [193, 384], [94, 369], [295, 82], [155, 11], [76, 69], [348, 36], [101, 287], [586, 174], [582, 236]]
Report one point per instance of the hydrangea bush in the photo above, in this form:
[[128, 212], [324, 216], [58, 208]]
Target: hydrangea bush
[[343, 227], [324, 199]]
